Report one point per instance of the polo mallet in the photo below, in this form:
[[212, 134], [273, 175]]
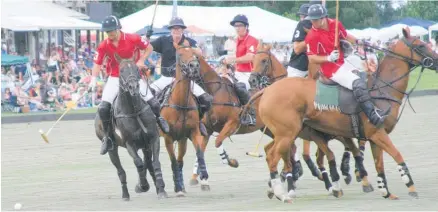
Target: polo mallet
[[337, 26], [153, 17], [256, 153], [70, 105]]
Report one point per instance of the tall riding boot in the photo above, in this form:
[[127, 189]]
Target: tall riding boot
[[155, 106], [248, 119], [105, 117], [205, 102], [375, 115]]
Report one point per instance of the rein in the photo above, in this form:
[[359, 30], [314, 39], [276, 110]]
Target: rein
[[426, 62]]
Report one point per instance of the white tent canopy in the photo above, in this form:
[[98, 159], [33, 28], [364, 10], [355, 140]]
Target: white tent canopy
[[18, 15], [432, 28], [263, 24], [33, 23]]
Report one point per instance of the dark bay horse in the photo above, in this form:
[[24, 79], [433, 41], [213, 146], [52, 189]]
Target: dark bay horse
[[266, 70], [388, 88], [181, 112], [134, 128]]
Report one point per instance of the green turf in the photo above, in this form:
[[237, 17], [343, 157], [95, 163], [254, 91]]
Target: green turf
[[77, 111], [428, 81]]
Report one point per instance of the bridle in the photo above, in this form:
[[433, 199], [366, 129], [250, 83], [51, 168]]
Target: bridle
[[427, 61], [133, 76], [263, 80]]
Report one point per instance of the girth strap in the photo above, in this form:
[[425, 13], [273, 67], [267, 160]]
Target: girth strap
[[357, 126]]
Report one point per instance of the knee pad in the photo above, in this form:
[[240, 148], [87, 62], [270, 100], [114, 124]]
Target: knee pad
[[206, 101], [104, 110], [240, 86], [155, 105]]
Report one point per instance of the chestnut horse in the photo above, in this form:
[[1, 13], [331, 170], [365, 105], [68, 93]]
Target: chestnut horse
[[266, 69], [181, 112], [294, 109]]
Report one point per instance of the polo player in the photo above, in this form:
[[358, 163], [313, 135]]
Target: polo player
[[126, 46], [245, 51], [164, 46], [321, 50]]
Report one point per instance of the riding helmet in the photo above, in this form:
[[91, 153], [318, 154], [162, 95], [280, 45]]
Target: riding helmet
[[176, 21], [240, 18], [316, 11], [111, 23], [304, 8]]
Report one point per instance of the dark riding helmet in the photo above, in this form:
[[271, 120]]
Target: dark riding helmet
[[176, 21], [316, 11], [240, 18], [111, 23], [304, 8]]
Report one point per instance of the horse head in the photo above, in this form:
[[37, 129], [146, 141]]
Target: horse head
[[414, 51], [266, 67], [129, 75], [187, 60]]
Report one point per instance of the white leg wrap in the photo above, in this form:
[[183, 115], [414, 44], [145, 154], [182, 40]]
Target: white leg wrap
[[381, 186], [222, 154], [195, 166], [336, 186], [404, 176]]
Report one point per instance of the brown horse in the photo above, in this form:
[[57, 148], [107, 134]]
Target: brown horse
[[266, 69], [294, 109], [180, 111]]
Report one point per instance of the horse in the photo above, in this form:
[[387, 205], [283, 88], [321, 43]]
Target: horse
[[134, 128], [266, 69], [181, 112], [299, 108]]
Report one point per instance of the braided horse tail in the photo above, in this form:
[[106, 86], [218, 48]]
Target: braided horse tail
[[251, 101]]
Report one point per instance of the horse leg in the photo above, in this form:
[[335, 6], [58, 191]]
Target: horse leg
[[182, 149], [382, 184], [200, 145], [194, 179], [360, 168], [280, 149], [306, 155], [297, 170], [174, 164], [323, 146], [381, 139], [142, 185], [345, 163], [325, 177], [115, 159], [226, 131], [362, 149], [290, 177], [159, 182]]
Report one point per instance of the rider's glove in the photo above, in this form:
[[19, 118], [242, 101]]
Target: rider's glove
[[362, 42], [333, 56], [149, 33]]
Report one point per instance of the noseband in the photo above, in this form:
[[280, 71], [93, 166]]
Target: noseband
[[187, 68], [262, 77], [134, 76]]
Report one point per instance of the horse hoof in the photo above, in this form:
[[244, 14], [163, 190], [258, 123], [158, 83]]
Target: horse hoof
[[180, 194], [287, 200], [414, 195], [367, 189], [338, 194], [393, 197], [162, 195], [233, 163], [193, 182], [270, 194], [141, 189], [347, 179], [292, 194], [205, 187], [358, 179]]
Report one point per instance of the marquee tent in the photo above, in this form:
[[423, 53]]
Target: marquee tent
[[263, 24]]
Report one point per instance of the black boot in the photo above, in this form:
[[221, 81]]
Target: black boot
[[105, 117], [205, 101], [248, 119], [375, 115], [155, 106]]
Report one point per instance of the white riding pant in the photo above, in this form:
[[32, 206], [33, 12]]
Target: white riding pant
[[111, 90], [344, 76], [163, 81], [293, 72], [243, 77]]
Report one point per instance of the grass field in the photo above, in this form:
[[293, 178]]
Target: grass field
[[428, 81]]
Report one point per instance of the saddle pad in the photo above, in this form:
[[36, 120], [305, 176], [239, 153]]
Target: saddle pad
[[327, 97]]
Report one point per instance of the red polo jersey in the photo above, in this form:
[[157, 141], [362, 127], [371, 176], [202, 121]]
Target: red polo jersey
[[321, 42], [129, 45], [247, 44]]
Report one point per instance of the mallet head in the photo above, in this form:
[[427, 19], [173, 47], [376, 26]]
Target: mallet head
[[44, 136], [254, 154]]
